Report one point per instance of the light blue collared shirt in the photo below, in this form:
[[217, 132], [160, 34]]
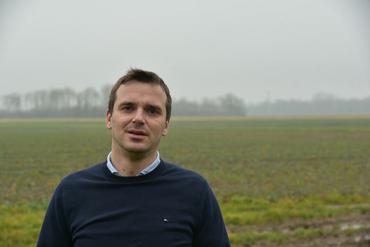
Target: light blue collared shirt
[[147, 169]]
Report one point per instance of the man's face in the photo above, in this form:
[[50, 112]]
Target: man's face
[[138, 120]]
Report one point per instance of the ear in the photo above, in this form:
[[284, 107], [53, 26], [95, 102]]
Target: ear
[[108, 117], [165, 130]]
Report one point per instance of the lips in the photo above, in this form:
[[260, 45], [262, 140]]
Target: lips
[[137, 132]]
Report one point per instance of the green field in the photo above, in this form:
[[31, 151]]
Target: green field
[[278, 180]]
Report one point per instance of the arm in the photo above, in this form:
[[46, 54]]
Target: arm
[[211, 231], [54, 231]]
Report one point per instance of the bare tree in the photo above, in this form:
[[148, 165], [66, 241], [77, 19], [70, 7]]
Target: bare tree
[[12, 102], [88, 99], [232, 105]]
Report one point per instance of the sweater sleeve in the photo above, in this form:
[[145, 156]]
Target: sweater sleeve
[[211, 231], [55, 231]]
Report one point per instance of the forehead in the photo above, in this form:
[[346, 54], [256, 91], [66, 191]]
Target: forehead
[[141, 92]]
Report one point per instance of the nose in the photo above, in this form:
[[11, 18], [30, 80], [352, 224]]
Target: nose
[[138, 117]]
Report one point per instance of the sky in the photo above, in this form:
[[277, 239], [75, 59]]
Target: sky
[[256, 50]]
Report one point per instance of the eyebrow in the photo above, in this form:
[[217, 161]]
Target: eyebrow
[[129, 103], [126, 103]]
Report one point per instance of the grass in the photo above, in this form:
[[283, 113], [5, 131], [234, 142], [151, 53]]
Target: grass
[[240, 211], [263, 170], [20, 224]]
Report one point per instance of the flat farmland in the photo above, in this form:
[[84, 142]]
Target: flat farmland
[[280, 181]]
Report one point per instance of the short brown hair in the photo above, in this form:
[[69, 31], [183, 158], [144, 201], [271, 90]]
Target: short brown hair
[[144, 77]]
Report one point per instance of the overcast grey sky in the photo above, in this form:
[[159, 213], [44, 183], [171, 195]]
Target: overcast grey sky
[[202, 48]]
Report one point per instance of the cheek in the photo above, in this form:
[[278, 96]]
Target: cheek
[[121, 120]]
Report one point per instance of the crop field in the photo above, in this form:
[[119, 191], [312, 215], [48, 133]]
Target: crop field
[[280, 181]]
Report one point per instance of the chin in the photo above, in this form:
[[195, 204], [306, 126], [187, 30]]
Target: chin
[[137, 149]]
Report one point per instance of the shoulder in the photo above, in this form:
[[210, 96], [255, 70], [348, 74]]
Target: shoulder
[[178, 170], [185, 175], [90, 174]]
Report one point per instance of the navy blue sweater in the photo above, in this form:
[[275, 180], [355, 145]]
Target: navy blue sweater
[[170, 206]]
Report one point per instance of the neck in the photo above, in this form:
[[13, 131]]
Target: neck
[[130, 164]]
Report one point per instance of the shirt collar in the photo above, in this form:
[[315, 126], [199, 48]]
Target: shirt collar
[[146, 170]]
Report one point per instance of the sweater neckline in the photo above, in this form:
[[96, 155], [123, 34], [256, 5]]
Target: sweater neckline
[[132, 179]]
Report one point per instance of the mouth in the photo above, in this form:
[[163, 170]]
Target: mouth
[[137, 132]]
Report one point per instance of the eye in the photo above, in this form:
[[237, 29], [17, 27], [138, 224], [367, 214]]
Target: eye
[[152, 110], [126, 108]]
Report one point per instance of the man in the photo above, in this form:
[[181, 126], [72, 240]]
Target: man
[[134, 199]]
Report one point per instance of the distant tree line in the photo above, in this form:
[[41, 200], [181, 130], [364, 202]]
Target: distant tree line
[[320, 104], [63, 102], [90, 102], [227, 105]]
